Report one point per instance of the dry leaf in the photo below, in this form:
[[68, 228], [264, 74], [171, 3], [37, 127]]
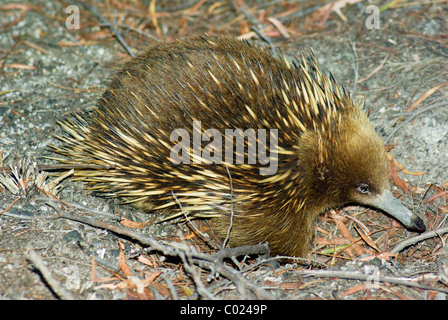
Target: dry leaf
[[135, 225], [367, 239], [145, 260], [424, 96], [123, 265], [354, 289], [20, 66]]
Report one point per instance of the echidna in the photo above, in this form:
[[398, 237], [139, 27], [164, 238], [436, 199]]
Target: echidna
[[164, 122]]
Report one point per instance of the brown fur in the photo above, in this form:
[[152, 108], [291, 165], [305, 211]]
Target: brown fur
[[327, 144]]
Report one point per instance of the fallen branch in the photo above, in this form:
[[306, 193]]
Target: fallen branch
[[56, 167], [112, 26], [413, 116], [420, 237], [355, 275], [172, 248], [54, 285]]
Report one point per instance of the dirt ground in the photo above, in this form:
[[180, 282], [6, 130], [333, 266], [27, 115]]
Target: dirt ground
[[399, 69]]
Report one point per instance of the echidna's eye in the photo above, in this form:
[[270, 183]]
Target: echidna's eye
[[363, 188]]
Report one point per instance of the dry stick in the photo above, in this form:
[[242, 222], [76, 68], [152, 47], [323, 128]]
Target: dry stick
[[424, 96], [412, 117], [122, 25], [188, 265], [190, 223], [240, 282], [172, 249], [112, 26], [359, 276], [182, 7], [53, 167], [265, 39], [421, 237], [223, 253], [262, 249], [10, 206], [55, 286], [377, 69], [171, 287]]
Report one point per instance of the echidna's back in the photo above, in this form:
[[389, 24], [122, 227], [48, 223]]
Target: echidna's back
[[205, 79], [222, 82]]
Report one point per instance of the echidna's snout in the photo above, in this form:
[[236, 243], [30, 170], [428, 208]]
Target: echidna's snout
[[391, 205]]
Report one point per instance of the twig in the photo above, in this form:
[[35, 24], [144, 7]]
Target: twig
[[187, 218], [190, 223], [365, 277], [265, 39], [377, 69], [232, 253], [53, 167], [170, 286], [80, 207], [174, 248], [10, 206], [300, 12], [17, 41], [420, 237], [112, 26], [54, 285], [188, 266], [125, 26], [424, 96], [240, 282], [412, 117], [300, 260]]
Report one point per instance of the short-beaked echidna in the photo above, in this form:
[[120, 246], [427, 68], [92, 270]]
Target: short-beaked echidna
[[325, 153]]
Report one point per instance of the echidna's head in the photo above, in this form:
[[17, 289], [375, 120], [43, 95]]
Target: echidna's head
[[350, 166]]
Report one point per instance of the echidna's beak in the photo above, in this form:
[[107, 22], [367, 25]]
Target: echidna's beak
[[391, 205]]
